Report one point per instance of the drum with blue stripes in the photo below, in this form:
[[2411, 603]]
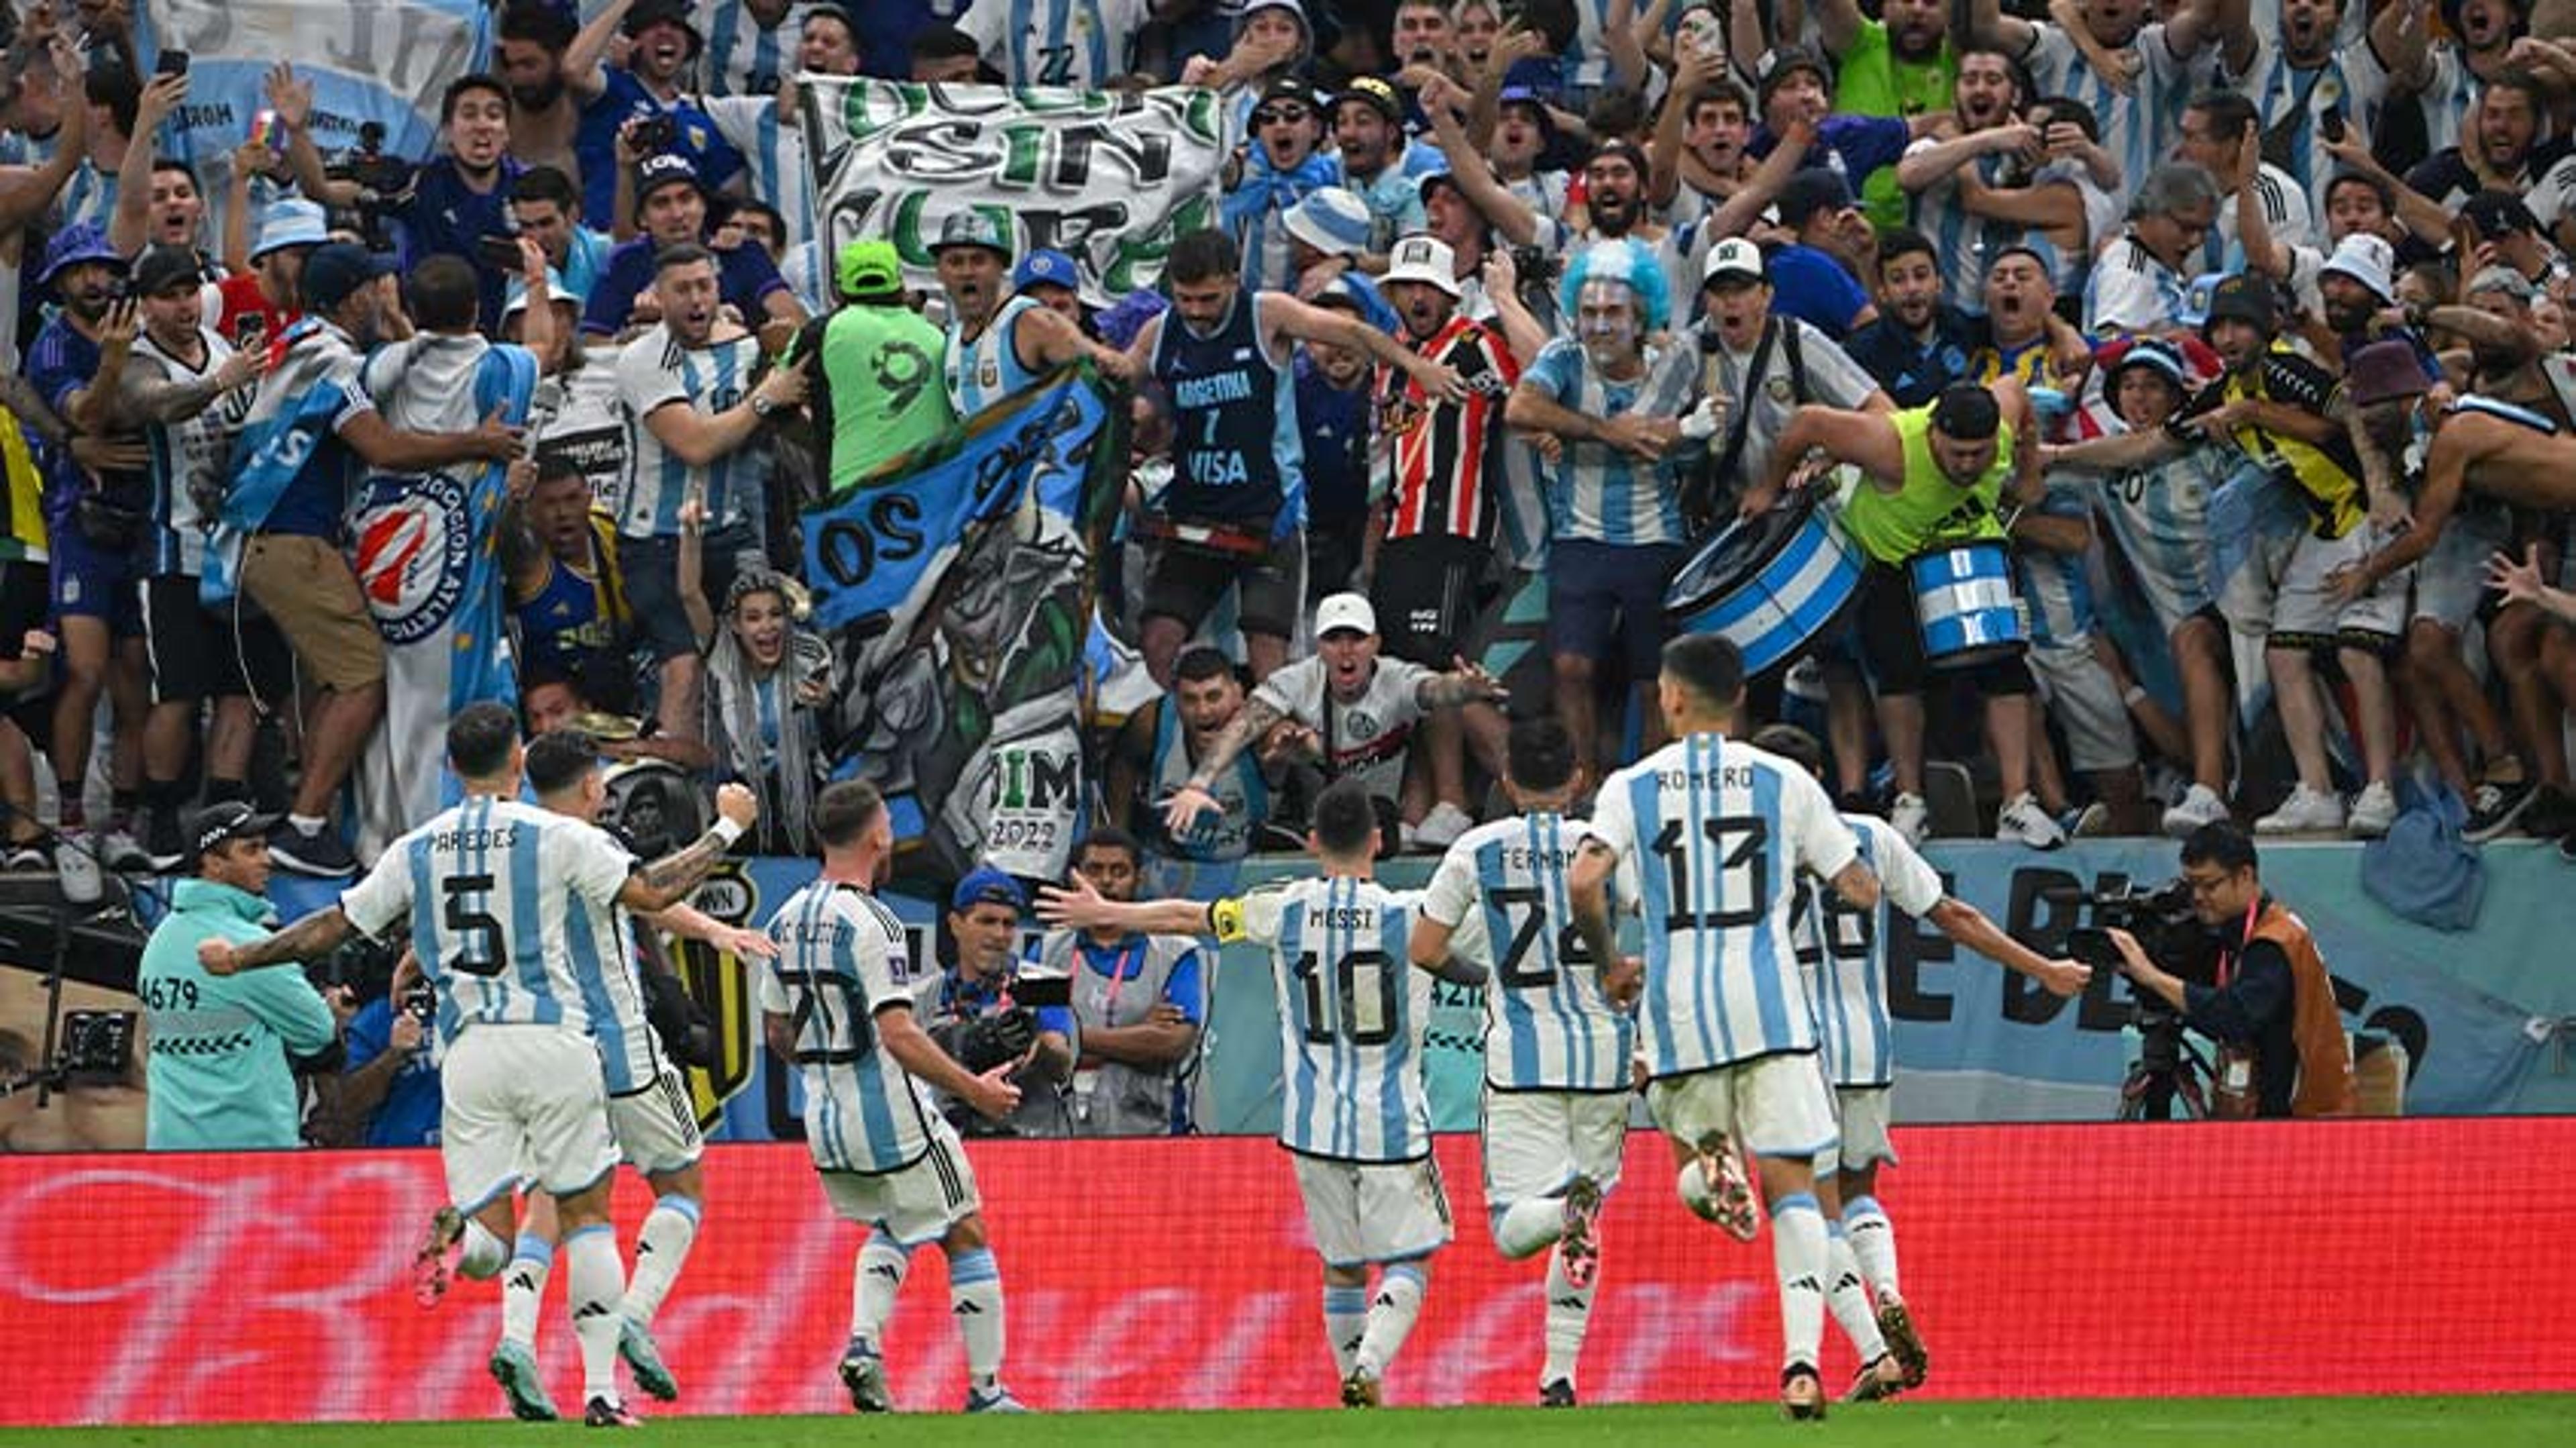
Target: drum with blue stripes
[[1963, 597], [1769, 584]]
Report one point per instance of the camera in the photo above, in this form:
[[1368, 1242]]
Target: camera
[[500, 253], [172, 62], [1536, 267], [95, 1043], [421, 1001], [384, 183], [2172, 935], [654, 134]]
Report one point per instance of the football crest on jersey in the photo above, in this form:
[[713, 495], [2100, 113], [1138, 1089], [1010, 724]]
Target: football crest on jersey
[[414, 535]]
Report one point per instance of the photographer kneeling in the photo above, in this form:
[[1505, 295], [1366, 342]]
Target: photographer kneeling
[[2281, 1041], [983, 1014]]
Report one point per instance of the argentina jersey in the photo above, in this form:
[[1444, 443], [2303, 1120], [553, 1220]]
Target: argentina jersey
[[2288, 98], [507, 904], [1547, 1025], [1965, 244], [2057, 597], [1056, 42], [774, 150], [1351, 1013], [988, 369], [1846, 950], [2139, 122], [655, 371], [1237, 454], [2159, 520], [1599, 493], [1711, 836], [744, 57], [842, 957]]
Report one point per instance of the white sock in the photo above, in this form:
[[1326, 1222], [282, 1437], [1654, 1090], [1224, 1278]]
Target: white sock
[[975, 1296], [661, 1249], [1524, 1227], [523, 1289], [1391, 1315], [1798, 1255], [1345, 1323], [1569, 1312], [874, 1283], [1848, 1299], [309, 824], [597, 1280], [1873, 1245], [485, 1254]]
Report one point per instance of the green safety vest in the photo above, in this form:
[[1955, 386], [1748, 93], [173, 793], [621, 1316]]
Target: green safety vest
[[1929, 510]]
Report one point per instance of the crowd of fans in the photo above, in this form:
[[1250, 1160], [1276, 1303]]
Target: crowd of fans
[[1549, 300]]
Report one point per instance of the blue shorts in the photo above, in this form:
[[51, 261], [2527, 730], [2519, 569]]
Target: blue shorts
[[92, 582], [1599, 594], [650, 569]]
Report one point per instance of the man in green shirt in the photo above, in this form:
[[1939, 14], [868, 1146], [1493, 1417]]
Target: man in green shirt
[[1899, 65], [218, 1068], [879, 393]]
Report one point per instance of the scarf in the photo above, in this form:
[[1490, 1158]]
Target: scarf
[[733, 717]]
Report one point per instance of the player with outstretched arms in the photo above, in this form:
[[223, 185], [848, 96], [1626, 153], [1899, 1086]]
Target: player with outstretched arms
[[1709, 836], [518, 1005], [1354, 1118], [1555, 1117], [1844, 952], [837, 1004]]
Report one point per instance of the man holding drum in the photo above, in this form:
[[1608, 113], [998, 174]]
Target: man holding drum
[[1936, 485]]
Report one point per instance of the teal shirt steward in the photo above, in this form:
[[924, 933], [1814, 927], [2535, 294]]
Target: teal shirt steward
[[217, 1067]]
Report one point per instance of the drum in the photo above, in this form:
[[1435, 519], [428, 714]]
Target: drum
[[1963, 597], [1768, 584]]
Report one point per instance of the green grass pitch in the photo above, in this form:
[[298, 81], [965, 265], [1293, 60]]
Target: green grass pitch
[[2269, 1422]]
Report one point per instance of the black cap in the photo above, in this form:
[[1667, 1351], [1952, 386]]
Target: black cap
[[2498, 213], [230, 820], [1818, 188], [2244, 298], [1781, 62], [1967, 412], [164, 267]]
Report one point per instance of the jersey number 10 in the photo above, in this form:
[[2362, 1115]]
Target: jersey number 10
[[1363, 985]]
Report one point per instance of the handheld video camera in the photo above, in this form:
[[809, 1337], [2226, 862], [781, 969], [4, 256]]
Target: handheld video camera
[[385, 183], [2171, 934]]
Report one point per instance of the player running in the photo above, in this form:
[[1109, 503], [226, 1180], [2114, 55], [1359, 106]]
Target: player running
[[1710, 836], [1350, 1018], [1849, 988], [837, 1002], [520, 892], [1555, 1115], [649, 1112]]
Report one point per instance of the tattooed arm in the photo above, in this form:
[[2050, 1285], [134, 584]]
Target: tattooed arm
[[310, 938]]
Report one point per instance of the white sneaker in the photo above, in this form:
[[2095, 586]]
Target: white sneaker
[[2201, 806], [1909, 816], [2021, 819], [123, 853], [77, 868], [2373, 811], [1441, 827], [2306, 811]]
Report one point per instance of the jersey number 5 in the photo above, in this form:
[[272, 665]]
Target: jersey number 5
[[480, 945], [1743, 872], [1362, 975]]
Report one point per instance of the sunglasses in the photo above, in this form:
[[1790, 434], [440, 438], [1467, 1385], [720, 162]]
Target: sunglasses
[[1287, 115]]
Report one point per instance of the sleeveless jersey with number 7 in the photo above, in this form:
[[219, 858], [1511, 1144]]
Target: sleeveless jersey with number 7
[[1711, 836], [1351, 1013]]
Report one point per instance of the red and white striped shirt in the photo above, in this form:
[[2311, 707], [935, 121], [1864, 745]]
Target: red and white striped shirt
[[1443, 463]]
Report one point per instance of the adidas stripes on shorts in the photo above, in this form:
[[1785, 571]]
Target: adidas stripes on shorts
[[1371, 1211], [916, 1203]]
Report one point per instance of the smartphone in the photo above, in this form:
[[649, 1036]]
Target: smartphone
[[501, 254], [172, 62], [2331, 125]]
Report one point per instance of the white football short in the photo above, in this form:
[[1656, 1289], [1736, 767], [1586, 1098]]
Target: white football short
[[522, 1100], [657, 1125], [1537, 1141], [1361, 1212], [1773, 1105], [2306, 612], [2085, 701], [1865, 1113], [916, 1203]]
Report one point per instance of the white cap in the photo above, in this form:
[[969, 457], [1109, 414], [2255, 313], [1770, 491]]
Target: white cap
[[1734, 257], [2367, 259], [1344, 611], [1423, 258], [1332, 221], [514, 297]]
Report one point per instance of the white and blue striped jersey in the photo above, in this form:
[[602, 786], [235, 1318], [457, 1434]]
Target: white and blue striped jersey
[[1598, 492], [655, 371], [2130, 291], [2285, 211], [2289, 99], [1351, 1013], [2055, 593], [774, 151], [842, 958], [512, 916], [2159, 520], [2446, 100], [2139, 125], [1501, 887], [1845, 952], [742, 59], [1964, 244], [1056, 42], [986, 370], [1711, 837]]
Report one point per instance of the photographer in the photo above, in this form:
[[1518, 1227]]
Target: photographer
[[969, 1010], [389, 1085], [220, 1068], [2281, 1043]]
